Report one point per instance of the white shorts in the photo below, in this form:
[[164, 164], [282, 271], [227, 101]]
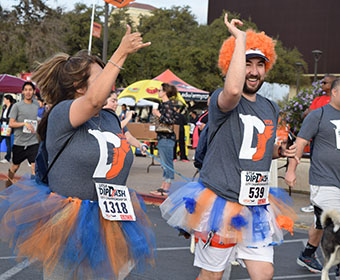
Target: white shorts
[[216, 259], [325, 197]]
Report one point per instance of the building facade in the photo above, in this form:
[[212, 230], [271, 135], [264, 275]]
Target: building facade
[[305, 24]]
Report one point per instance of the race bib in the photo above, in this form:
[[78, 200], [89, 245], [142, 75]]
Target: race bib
[[254, 188], [34, 123], [115, 202], [5, 130]]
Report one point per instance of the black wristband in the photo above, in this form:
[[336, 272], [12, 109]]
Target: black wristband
[[279, 152]]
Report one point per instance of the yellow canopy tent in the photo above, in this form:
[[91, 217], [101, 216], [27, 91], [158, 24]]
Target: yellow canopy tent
[[146, 89]]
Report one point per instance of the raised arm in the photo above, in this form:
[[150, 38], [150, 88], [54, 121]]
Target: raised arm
[[235, 77], [102, 80]]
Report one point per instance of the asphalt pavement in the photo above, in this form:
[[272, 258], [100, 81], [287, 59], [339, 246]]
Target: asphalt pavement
[[174, 260]]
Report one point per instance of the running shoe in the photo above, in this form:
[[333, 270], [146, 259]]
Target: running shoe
[[312, 263], [307, 209]]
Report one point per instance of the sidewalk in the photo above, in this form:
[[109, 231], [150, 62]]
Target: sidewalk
[[144, 182]]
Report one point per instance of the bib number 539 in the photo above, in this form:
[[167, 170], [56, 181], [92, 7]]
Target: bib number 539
[[256, 192]]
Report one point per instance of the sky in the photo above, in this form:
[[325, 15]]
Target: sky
[[198, 7]]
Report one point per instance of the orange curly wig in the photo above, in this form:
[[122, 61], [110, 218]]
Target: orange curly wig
[[254, 41]]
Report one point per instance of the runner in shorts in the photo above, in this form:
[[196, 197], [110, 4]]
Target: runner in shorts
[[231, 210], [323, 127], [24, 121]]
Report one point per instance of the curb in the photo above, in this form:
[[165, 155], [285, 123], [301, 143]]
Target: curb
[[152, 199]]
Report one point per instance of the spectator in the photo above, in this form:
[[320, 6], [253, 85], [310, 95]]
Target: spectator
[[24, 121], [181, 120], [111, 104], [200, 124], [122, 115], [166, 139], [6, 131]]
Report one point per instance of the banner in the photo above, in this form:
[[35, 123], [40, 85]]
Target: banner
[[97, 29], [118, 3]]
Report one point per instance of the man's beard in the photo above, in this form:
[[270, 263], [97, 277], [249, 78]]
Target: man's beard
[[252, 91]]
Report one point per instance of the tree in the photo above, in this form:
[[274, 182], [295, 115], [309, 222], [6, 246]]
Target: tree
[[28, 35]]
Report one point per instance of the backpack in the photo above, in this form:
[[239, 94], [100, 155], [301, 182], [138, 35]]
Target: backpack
[[41, 161]]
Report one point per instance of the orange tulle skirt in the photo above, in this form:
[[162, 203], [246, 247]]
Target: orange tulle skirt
[[70, 232]]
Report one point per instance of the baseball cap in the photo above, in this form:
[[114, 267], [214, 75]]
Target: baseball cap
[[256, 53]]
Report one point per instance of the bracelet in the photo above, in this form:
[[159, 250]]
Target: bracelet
[[144, 145], [114, 64]]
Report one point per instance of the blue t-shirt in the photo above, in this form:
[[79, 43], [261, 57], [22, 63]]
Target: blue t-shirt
[[323, 126], [98, 151], [243, 142]]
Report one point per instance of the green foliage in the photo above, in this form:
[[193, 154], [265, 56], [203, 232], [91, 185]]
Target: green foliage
[[294, 108], [27, 34], [32, 31]]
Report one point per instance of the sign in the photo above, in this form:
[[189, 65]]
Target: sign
[[97, 29]]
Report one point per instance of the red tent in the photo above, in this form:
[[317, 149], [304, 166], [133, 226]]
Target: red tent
[[187, 91], [11, 84]]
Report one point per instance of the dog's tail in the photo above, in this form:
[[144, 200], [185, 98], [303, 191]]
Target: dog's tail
[[331, 217]]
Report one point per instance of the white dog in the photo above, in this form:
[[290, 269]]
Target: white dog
[[330, 242]]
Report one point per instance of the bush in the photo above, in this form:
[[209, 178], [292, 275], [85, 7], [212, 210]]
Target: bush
[[292, 113]]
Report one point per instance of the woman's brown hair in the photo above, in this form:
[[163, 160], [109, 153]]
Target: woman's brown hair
[[170, 90], [59, 78]]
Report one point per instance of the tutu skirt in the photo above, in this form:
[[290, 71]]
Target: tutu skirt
[[196, 209], [71, 233]]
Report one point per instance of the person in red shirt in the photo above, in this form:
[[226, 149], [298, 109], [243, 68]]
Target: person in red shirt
[[324, 99]]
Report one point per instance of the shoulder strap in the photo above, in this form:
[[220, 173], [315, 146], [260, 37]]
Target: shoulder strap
[[57, 155], [68, 141]]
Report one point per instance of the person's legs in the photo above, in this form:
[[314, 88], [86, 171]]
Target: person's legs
[[181, 143], [258, 261], [165, 151], [210, 275], [19, 156], [11, 172], [31, 153], [166, 147], [9, 148], [175, 151], [259, 270], [212, 260], [323, 198]]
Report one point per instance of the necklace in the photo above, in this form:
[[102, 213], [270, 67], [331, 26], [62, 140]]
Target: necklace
[[97, 124]]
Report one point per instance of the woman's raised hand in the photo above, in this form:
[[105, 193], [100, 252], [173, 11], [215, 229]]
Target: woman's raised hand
[[132, 42]]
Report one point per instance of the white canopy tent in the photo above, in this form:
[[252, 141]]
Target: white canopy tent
[[129, 101]]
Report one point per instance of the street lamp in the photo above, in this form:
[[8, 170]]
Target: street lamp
[[317, 54], [299, 67]]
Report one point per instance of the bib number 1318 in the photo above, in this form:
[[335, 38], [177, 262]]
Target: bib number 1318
[[115, 207], [115, 202]]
